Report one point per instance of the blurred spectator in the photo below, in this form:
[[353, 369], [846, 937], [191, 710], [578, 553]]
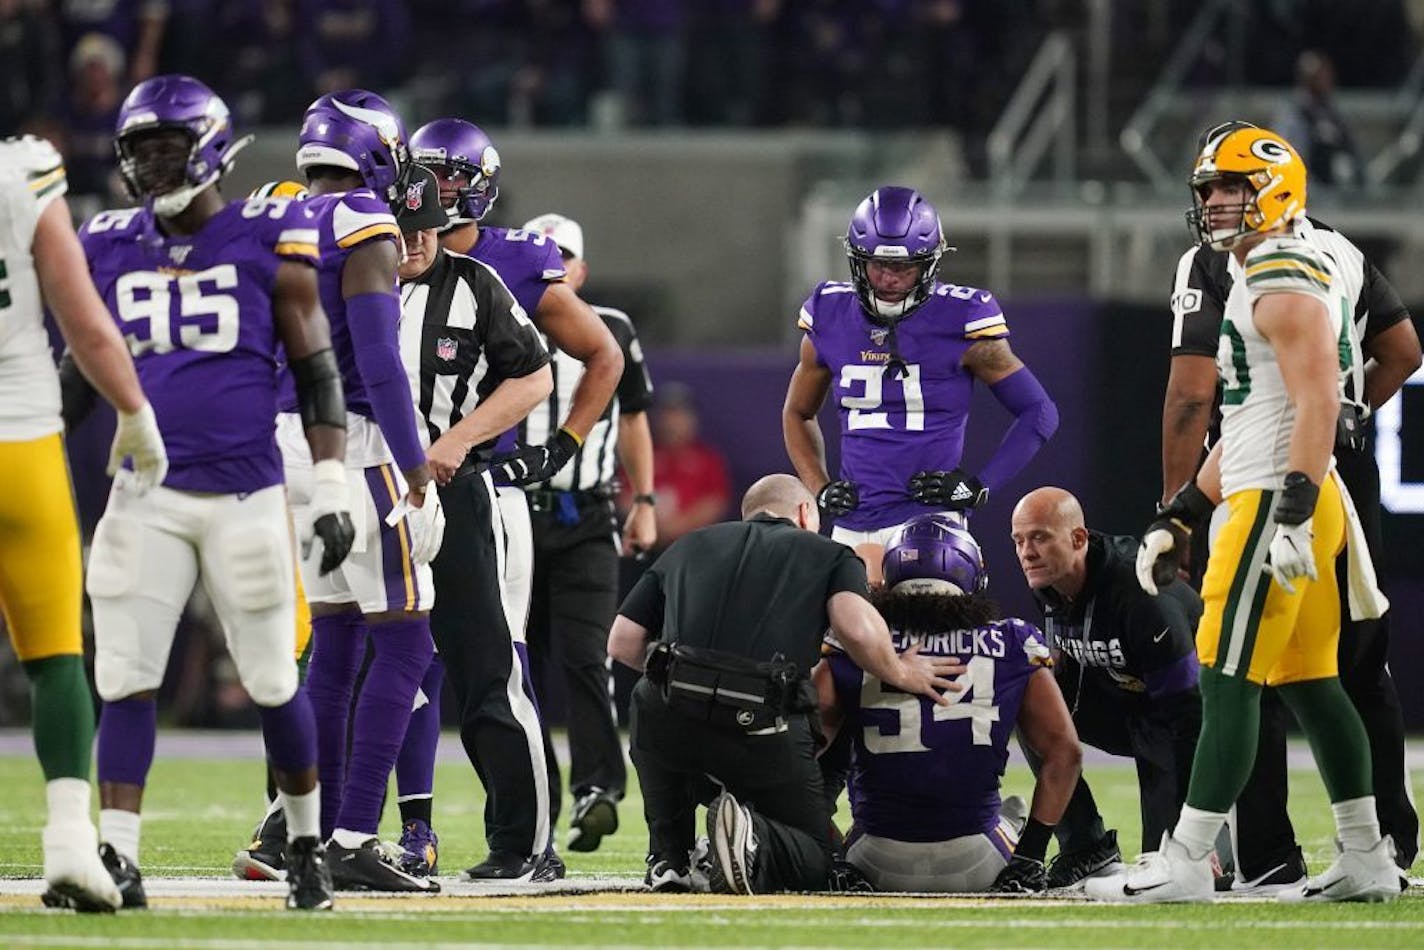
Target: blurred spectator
[[96, 89], [29, 54], [645, 45], [689, 476], [551, 87], [727, 60], [1315, 126], [253, 67], [346, 43], [136, 25]]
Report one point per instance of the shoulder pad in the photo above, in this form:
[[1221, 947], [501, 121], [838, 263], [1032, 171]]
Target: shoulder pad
[[359, 216], [1286, 264], [115, 222], [37, 163]]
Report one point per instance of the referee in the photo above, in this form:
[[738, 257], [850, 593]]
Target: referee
[[1267, 855], [481, 368], [575, 586]]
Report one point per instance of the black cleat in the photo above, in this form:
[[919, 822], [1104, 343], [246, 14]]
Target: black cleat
[[126, 877], [263, 859], [503, 866], [665, 877], [595, 815], [1073, 867], [308, 878], [373, 867], [549, 867]]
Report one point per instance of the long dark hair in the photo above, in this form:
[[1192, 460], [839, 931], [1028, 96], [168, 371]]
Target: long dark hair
[[934, 613]]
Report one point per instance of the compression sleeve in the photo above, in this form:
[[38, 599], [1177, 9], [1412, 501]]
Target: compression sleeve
[[1035, 419], [373, 319]]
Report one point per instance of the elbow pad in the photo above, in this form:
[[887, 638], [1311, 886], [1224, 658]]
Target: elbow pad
[[1022, 394], [319, 392]]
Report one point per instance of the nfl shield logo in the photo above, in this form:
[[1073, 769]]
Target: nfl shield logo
[[878, 335], [414, 195], [445, 348]]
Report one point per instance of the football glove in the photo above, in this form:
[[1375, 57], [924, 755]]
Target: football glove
[[1167, 541], [955, 490], [1021, 876], [537, 463], [838, 498], [425, 524], [329, 516], [137, 437], [1290, 552]]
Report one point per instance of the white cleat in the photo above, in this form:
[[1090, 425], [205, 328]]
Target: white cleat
[[1355, 876], [1168, 875], [76, 876]]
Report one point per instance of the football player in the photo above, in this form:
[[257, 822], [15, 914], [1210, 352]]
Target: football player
[[902, 351], [924, 787], [467, 166], [353, 152], [1272, 606], [42, 264], [205, 292]]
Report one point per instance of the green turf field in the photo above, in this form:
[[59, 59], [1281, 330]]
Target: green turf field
[[198, 811]]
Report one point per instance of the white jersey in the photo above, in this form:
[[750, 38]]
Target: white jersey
[[31, 176], [1256, 412]]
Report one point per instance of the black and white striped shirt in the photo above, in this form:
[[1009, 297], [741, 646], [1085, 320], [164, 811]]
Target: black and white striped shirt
[[465, 332], [595, 462]]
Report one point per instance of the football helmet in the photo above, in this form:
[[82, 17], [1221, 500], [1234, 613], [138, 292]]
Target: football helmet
[[1270, 168], [281, 189], [461, 147], [175, 103], [894, 225], [934, 554], [359, 131]]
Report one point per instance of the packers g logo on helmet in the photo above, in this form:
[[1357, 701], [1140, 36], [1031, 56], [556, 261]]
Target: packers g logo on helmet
[[1270, 168]]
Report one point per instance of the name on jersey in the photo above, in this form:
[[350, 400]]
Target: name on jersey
[[984, 641], [870, 356]]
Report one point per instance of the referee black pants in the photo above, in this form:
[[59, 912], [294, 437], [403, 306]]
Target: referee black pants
[[1264, 835], [680, 764], [575, 596], [499, 725]]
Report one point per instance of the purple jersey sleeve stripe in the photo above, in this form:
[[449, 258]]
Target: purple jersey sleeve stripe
[[379, 230]]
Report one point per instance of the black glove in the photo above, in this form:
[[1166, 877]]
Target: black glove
[[949, 491], [1188, 510], [838, 498], [537, 463], [337, 534], [1021, 876]]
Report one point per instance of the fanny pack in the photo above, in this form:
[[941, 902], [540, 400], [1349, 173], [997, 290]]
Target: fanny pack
[[726, 690]]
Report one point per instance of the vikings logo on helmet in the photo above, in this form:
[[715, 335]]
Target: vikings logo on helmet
[[1271, 171], [935, 554], [894, 225], [358, 131]]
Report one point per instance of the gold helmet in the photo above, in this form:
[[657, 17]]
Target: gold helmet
[[281, 189], [1272, 171]]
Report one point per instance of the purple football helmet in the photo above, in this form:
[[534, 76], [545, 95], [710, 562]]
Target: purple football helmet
[[359, 131], [183, 104], [462, 147], [894, 225], [935, 554]]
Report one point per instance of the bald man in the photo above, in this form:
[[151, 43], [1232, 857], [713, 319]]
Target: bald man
[[739, 611], [1126, 663]]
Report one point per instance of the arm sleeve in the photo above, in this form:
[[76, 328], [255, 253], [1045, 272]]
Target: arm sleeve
[[645, 602], [1035, 420], [373, 321], [1198, 302]]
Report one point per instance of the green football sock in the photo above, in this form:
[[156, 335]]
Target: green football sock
[[1226, 749], [1337, 736], [63, 715]]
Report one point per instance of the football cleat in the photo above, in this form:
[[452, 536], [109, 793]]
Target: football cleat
[[77, 877], [501, 866], [264, 858], [126, 877], [734, 846], [309, 884], [664, 877], [1072, 868], [1290, 873], [700, 864], [549, 867], [373, 867], [595, 815], [846, 878], [419, 849], [1355, 876], [1168, 875]]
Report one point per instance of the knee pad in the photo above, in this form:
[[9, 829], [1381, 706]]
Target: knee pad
[[115, 557], [272, 682], [121, 664], [257, 566]]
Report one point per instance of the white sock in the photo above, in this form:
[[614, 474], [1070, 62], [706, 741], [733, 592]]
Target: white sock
[[1356, 823], [347, 838], [68, 801], [120, 828], [303, 813], [1196, 830]]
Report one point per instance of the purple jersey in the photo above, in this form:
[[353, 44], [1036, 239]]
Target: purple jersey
[[196, 312], [923, 772], [345, 221], [893, 428]]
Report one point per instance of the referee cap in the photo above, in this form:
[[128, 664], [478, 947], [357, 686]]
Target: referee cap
[[565, 232]]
